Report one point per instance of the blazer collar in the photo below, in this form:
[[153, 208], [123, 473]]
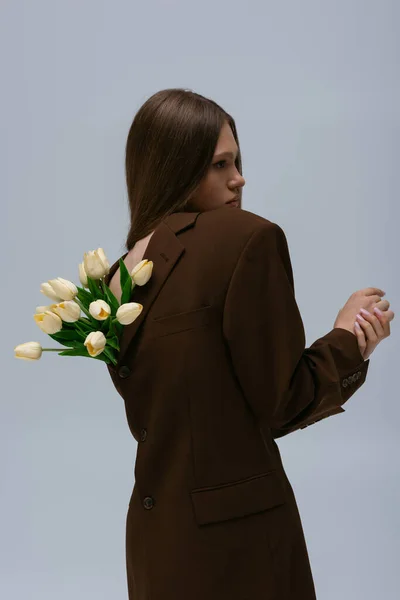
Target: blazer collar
[[164, 249]]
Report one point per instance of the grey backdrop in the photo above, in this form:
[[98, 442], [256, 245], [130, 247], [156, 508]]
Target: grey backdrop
[[314, 88]]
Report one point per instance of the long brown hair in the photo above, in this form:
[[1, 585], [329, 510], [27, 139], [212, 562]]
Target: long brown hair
[[169, 149]]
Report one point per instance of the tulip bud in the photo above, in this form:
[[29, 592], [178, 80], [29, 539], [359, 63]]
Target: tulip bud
[[48, 290], [61, 289], [28, 351], [128, 312], [69, 311], [82, 275], [104, 258], [95, 343], [141, 273], [41, 309], [96, 264], [100, 310], [48, 321]]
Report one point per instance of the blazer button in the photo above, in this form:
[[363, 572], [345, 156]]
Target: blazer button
[[124, 371], [143, 434], [148, 502]]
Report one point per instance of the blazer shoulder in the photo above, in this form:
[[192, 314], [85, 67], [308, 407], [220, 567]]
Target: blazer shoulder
[[233, 224]]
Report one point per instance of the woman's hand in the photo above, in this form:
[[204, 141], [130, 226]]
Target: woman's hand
[[366, 298], [371, 329]]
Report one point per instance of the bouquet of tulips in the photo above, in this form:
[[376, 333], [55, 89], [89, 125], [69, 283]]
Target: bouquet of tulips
[[97, 334]]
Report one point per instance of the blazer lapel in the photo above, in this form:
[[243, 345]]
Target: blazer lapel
[[164, 249]]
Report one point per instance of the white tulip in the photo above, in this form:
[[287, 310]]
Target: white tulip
[[141, 273], [100, 310], [104, 258], [40, 309], [96, 264], [69, 311], [48, 321], [95, 343], [48, 290], [28, 351], [62, 289], [82, 274], [128, 312]]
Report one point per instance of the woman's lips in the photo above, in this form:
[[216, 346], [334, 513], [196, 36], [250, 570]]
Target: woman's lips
[[233, 203]]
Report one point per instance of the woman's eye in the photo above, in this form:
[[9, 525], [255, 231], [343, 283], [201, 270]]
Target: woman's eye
[[219, 162]]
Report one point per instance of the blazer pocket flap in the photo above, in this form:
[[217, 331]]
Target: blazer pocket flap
[[197, 317], [237, 499]]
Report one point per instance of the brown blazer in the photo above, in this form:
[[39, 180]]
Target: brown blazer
[[211, 373]]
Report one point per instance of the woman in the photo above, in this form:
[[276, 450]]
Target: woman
[[215, 368]]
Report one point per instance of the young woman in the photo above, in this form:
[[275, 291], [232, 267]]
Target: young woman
[[215, 368]]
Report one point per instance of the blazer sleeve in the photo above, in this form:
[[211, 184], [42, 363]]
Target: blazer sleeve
[[286, 385]]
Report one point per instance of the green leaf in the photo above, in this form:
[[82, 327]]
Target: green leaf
[[118, 329], [111, 329], [126, 283], [67, 343], [103, 358], [127, 292], [63, 335], [84, 302], [104, 326], [84, 306], [124, 274], [115, 328], [108, 352], [75, 352], [84, 296], [81, 332], [113, 341], [84, 324], [110, 298], [94, 289], [106, 356], [73, 344]]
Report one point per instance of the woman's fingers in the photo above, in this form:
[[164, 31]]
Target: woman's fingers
[[385, 318], [374, 329], [370, 291], [373, 326], [383, 305], [361, 339], [371, 336]]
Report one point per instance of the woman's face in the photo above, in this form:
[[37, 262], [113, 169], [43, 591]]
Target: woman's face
[[222, 181]]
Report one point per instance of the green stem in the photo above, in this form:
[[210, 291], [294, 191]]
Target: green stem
[[53, 349], [87, 313]]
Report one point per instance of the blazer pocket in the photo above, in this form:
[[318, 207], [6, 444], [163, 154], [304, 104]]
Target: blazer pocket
[[244, 497], [182, 321]]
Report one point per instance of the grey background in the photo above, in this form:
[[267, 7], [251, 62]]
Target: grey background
[[314, 89]]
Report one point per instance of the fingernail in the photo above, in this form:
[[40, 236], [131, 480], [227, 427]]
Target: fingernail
[[378, 312], [360, 317], [365, 312]]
